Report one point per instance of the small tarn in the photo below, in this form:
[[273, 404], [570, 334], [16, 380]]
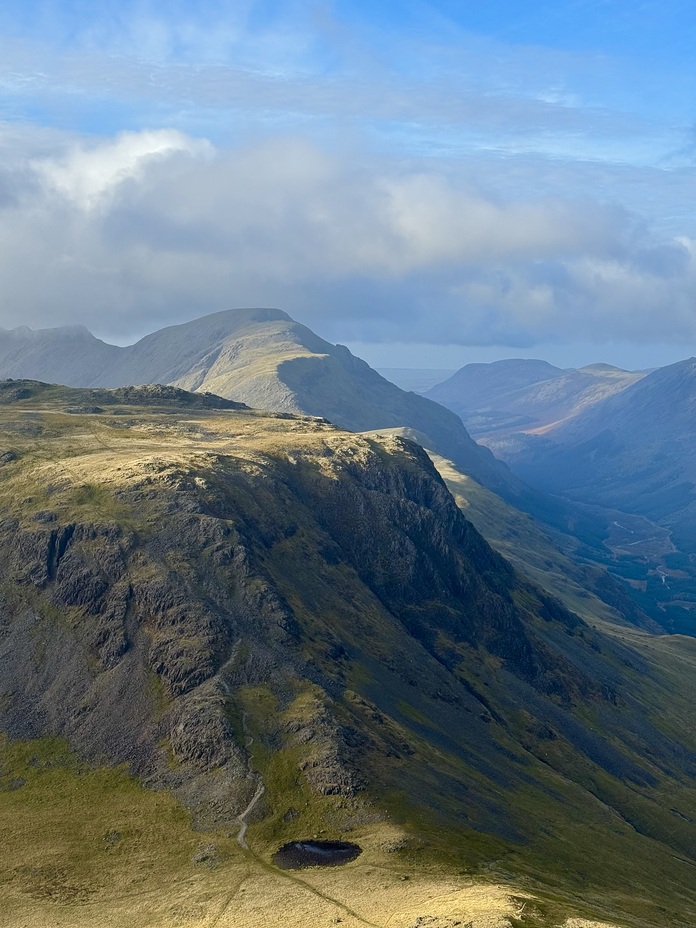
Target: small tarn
[[300, 854]]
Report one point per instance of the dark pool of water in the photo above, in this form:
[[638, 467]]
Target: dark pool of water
[[299, 854]]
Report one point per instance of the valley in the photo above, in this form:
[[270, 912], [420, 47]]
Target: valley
[[618, 446]]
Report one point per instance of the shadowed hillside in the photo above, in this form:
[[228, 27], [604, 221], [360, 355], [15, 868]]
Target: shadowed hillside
[[631, 458], [499, 400], [224, 600]]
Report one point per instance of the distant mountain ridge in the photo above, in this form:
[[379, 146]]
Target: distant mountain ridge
[[260, 357], [629, 458], [519, 395], [69, 354], [636, 450]]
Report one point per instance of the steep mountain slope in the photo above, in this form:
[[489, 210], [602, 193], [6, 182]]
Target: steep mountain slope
[[511, 396], [266, 360], [636, 452], [68, 354], [551, 558], [225, 600]]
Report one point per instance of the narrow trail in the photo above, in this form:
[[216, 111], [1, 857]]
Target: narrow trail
[[242, 817], [279, 874], [228, 900], [314, 891], [260, 790]]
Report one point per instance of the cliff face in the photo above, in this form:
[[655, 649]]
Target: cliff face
[[131, 635], [214, 596]]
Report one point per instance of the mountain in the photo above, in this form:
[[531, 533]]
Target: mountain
[[71, 355], [512, 396], [260, 357], [635, 451], [68, 354], [633, 454], [267, 360], [553, 559], [293, 632]]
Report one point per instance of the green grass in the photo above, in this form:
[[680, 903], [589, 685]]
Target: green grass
[[91, 848], [276, 755], [74, 836]]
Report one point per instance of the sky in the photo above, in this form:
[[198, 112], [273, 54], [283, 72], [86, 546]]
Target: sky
[[427, 182]]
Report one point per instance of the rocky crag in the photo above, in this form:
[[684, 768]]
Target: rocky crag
[[220, 598]]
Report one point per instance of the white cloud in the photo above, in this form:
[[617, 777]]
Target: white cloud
[[148, 228], [87, 175]]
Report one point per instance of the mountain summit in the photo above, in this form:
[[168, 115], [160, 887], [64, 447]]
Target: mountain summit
[[260, 357]]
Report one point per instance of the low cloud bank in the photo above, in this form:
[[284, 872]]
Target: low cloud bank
[[150, 228]]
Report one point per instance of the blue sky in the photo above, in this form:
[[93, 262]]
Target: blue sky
[[422, 180]]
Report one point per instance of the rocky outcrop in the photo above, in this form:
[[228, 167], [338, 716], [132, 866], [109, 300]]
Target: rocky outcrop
[[226, 602], [179, 619]]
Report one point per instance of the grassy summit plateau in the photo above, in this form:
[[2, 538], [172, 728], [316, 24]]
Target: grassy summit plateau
[[265, 620]]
